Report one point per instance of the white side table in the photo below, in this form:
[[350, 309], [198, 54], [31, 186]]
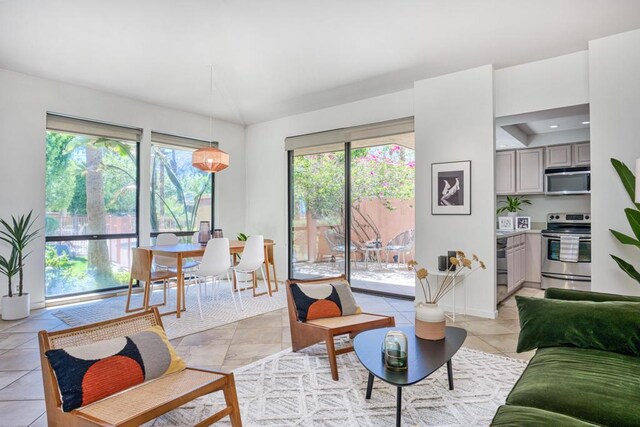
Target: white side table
[[440, 275]]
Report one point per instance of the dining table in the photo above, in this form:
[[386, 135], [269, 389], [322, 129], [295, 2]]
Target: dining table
[[182, 251]]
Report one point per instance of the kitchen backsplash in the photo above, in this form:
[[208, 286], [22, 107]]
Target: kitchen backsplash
[[541, 205]]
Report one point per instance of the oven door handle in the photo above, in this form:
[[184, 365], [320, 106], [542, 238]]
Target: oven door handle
[[558, 236], [565, 277]]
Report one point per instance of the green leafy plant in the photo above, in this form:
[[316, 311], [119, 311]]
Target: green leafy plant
[[9, 267], [512, 204], [19, 234], [633, 216], [242, 237]]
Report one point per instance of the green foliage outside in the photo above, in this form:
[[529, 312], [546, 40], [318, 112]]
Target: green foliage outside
[[385, 173]]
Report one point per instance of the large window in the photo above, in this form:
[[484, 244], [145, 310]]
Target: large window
[[91, 205], [181, 195]]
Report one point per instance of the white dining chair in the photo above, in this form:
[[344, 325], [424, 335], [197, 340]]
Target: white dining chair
[[251, 261], [215, 264]]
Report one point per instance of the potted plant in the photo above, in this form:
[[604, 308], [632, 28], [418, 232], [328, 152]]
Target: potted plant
[[19, 234], [512, 205]]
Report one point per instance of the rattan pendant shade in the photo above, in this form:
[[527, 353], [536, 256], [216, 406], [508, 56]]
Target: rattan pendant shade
[[210, 159]]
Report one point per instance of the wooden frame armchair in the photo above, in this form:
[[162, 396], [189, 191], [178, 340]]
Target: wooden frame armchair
[[138, 404], [304, 334]]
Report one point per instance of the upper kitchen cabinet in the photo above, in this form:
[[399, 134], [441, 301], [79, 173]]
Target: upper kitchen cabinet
[[506, 172], [530, 171], [582, 154], [558, 156]]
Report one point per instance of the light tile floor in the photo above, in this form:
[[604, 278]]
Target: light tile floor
[[226, 347]]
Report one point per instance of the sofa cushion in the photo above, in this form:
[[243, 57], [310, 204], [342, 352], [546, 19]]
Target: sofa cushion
[[91, 372], [576, 295], [592, 385], [512, 415], [611, 326], [323, 300]]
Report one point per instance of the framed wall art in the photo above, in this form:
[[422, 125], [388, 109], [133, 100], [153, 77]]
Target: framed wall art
[[523, 223], [451, 188], [506, 223]]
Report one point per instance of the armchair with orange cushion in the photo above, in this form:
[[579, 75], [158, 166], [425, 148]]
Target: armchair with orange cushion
[[322, 309]]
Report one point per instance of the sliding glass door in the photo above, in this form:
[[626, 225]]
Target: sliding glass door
[[317, 214], [91, 211], [382, 213], [351, 208]]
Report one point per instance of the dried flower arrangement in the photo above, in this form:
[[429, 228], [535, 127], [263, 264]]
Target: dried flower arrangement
[[450, 279]]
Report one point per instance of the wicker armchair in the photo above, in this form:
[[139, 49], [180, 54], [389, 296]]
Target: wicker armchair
[[141, 403], [304, 334]]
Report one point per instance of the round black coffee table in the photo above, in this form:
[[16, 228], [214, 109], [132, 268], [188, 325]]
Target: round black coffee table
[[424, 358]]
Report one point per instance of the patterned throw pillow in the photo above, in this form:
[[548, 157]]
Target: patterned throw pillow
[[91, 372], [321, 300]]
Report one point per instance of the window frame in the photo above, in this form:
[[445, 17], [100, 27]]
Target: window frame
[[154, 234], [88, 237]]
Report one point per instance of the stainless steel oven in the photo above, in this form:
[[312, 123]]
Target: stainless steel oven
[[567, 181], [559, 273]]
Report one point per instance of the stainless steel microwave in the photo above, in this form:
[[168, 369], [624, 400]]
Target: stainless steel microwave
[[562, 181]]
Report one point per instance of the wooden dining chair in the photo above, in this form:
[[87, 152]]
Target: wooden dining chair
[[142, 271], [271, 263]]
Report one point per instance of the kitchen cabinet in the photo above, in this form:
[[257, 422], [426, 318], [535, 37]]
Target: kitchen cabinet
[[582, 154], [530, 171], [506, 172], [558, 156], [516, 262], [533, 256]]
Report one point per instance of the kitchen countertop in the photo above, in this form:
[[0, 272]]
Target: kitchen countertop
[[511, 233]]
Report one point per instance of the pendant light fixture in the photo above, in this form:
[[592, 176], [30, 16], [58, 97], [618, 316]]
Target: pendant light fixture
[[210, 159]]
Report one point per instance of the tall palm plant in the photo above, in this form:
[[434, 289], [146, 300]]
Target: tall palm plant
[[19, 234], [9, 267]]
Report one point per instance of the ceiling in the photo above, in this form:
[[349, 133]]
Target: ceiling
[[547, 127], [281, 57]]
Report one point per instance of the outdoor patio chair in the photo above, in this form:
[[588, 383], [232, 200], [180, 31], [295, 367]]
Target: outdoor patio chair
[[336, 243], [402, 244], [304, 334], [139, 404]]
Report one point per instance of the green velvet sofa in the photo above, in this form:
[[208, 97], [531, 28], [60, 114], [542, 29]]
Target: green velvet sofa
[[572, 386]]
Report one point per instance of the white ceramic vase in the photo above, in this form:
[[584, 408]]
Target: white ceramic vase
[[16, 307], [430, 321]]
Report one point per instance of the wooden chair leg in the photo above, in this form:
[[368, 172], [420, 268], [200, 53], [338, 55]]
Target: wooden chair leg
[[231, 398], [127, 309], [331, 352], [254, 282], [275, 277]]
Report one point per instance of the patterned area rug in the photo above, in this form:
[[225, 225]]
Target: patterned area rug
[[217, 310], [289, 389]]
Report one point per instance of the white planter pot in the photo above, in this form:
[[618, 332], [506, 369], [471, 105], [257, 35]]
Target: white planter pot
[[430, 321], [512, 215], [16, 307]]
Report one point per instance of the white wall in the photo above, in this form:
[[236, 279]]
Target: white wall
[[542, 85], [24, 102], [614, 80], [267, 161], [454, 122]]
